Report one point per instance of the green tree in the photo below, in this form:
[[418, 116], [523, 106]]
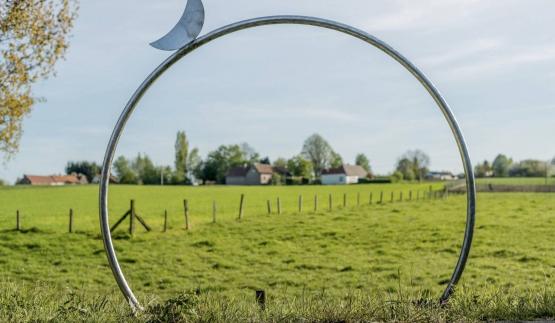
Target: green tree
[[336, 160], [280, 162], [277, 179], [195, 164], [89, 169], [249, 154], [124, 171], [406, 168], [528, 168], [33, 37], [418, 161], [265, 160], [299, 166], [319, 152], [220, 161], [147, 173], [483, 169], [363, 161], [501, 166], [181, 158], [396, 177]]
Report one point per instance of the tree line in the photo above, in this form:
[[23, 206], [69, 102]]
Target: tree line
[[503, 166], [189, 167]]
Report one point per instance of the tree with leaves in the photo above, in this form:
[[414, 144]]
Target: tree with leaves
[[418, 161], [280, 162], [300, 167], [221, 160], [33, 37], [336, 160], [124, 171], [147, 173], [501, 166], [363, 161], [194, 164], [89, 169], [181, 158], [250, 155], [320, 153], [406, 169], [483, 169], [265, 160]]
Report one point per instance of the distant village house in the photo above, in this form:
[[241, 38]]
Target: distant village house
[[440, 176], [257, 174], [53, 180], [345, 174]]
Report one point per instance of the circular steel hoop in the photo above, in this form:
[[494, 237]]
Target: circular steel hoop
[[277, 20]]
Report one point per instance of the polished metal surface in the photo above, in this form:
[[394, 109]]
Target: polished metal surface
[[186, 30], [276, 20]]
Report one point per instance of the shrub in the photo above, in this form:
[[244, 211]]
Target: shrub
[[396, 177]]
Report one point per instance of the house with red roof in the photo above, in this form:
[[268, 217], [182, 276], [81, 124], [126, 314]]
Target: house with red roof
[[53, 180], [257, 174]]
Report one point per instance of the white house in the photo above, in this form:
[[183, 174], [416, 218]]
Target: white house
[[440, 176], [345, 174]]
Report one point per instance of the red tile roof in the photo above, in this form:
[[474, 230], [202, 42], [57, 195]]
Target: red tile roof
[[263, 168], [52, 180]]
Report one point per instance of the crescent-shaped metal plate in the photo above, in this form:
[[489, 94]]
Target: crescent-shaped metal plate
[[186, 30], [275, 20]]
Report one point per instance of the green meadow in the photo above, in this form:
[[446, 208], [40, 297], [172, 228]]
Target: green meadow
[[352, 263]]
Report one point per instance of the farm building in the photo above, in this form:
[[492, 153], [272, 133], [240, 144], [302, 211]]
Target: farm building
[[257, 174], [53, 180], [440, 176], [345, 174]]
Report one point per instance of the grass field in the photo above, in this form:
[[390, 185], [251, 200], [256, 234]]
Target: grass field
[[367, 262]]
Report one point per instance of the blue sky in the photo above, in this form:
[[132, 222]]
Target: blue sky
[[272, 87]]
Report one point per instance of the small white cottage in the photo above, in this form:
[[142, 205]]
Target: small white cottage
[[345, 174]]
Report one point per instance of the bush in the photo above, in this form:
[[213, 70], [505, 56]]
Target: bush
[[375, 180], [297, 181], [276, 179], [396, 177]]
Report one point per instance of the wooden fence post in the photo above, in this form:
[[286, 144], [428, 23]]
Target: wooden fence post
[[70, 220], [401, 196], [132, 217], [392, 197], [381, 197], [269, 205], [186, 209], [241, 203], [358, 199], [315, 202], [278, 206], [214, 210], [330, 201], [261, 299], [165, 220], [370, 198], [300, 204], [344, 199], [17, 221]]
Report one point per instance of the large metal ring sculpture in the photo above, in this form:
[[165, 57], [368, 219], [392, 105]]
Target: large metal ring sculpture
[[277, 20]]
